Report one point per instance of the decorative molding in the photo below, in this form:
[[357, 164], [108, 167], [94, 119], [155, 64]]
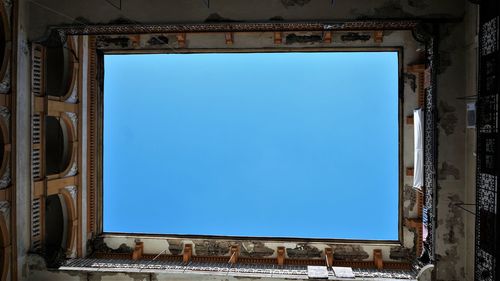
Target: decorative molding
[[72, 189], [102, 29], [73, 171], [5, 179]]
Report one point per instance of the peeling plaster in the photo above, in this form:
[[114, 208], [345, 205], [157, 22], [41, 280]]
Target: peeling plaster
[[290, 3], [410, 199], [448, 119], [448, 170], [419, 4], [411, 80], [303, 250], [215, 17], [401, 253], [255, 250], [349, 252], [294, 38], [454, 221], [100, 246], [212, 247]]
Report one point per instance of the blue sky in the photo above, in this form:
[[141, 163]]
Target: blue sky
[[266, 144]]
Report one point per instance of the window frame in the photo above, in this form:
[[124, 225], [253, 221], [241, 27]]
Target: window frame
[[100, 70]]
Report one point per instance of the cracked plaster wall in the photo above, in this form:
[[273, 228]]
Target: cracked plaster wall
[[456, 146]]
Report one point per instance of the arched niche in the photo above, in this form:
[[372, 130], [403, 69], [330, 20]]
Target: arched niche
[[5, 47], [58, 145], [4, 147], [5, 245], [60, 67], [55, 230]]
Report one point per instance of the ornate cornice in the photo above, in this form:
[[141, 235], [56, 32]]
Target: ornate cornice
[[238, 27]]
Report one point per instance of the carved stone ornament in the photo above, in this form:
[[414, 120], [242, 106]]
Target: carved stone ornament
[[5, 84], [72, 191], [4, 207], [5, 112], [5, 179], [74, 119], [73, 98], [8, 8], [73, 171]]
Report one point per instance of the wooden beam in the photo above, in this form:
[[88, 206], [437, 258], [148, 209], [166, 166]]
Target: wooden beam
[[234, 252], [377, 259], [278, 38], [229, 38], [39, 104], [39, 189], [327, 37], [409, 171], [56, 107], [280, 255], [181, 39], [378, 36], [188, 253], [54, 185], [138, 250]]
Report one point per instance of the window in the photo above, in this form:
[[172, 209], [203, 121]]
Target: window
[[298, 144]]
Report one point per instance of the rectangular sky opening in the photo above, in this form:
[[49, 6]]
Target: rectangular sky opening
[[300, 144]]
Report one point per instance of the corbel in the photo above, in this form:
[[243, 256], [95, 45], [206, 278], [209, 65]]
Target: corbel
[[136, 40], [181, 39], [229, 38], [187, 253], [409, 120], [281, 255], [327, 37], [378, 36], [234, 252], [329, 257], [138, 250], [377, 259], [278, 37], [409, 171]]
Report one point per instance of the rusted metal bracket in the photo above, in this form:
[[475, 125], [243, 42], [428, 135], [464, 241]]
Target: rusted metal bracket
[[181, 40], [187, 253], [234, 252], [281, 255], [138, 250], [377, 259], [329, 257], [327, 37], [229, 38], [378, 36], [278, 38]]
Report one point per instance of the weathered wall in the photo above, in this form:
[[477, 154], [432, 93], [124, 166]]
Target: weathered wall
[[23, 135], [53, 12], [471, 30], [455, 155]]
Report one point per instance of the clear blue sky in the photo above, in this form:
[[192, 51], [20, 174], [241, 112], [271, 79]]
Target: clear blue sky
[[267, 144]]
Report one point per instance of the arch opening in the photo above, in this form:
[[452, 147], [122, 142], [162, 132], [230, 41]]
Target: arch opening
[[58, 67], [57, 147], [55, 225]]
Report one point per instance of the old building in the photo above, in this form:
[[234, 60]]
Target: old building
[[51, 117]]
